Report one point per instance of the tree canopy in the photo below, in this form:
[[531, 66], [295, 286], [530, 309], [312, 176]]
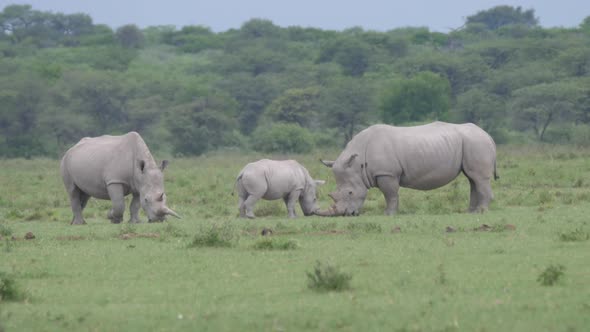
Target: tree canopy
[[190, 90]]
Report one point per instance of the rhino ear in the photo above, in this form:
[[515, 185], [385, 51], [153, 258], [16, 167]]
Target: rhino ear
[[351, 159], [328, 163], [319, 182], [141, 165], [164, 165]]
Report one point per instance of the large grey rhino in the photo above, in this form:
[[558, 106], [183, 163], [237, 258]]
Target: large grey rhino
[[112, 167], [274, 179], [421, 157]]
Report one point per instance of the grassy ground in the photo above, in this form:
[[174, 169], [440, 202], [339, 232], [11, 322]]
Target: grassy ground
[[213, 271]]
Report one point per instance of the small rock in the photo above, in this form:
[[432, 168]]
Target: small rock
[[266, 231], [450, 229], [396, 229], [29, 236]]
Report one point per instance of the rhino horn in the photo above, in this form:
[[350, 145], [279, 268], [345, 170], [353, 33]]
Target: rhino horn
[[331, 212], [171, 212], [328, 163]]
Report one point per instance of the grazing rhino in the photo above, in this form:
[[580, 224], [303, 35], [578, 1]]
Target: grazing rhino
[[274, 179], [112, 167], [421, 157]]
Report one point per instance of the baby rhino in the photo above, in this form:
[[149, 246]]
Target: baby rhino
[[274, 179]]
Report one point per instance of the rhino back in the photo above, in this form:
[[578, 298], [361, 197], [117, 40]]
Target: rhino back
[[95, 162], [423, 157]]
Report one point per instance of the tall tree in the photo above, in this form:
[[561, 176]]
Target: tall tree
[[500, 16], [536, 107], [347, 104], [424, 96]]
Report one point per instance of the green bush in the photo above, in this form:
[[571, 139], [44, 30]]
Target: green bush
[[551, 275], [328, 277], [214, 235], [8, 288], [575, 235], [283, 138], [275, 244]]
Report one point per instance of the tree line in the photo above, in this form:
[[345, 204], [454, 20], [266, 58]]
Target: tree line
[[284, 89]]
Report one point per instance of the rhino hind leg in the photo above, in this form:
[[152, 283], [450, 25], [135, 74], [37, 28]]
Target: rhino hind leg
[[78, 200], [241, 206], [389, 186], [249, 206], [481, 195], [117, 196]]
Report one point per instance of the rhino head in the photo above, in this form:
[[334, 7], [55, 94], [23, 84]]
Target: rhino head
[[308, 198], [350, 191], [150, 183]]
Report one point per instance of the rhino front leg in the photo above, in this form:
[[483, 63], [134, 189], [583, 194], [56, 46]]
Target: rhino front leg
[[291, 201], [389, 186], [134, 209], [116, 193]]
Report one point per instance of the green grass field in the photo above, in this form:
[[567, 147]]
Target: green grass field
[[212, 271]]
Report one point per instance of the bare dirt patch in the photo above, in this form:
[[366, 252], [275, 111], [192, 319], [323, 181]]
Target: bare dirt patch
[[128, 236], [70, 238]]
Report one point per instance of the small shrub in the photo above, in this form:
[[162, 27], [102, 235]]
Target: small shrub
[[8, 288], [214, 235], [366, 227], [576, 235], [5, 231], [275, 244], [174, 231], [551, 275], [327, 277]]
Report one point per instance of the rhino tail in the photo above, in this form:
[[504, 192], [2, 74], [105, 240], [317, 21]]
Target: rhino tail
[[236, 184], [496, 176]]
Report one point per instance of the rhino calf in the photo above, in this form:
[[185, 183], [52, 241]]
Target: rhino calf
[[274, 179], [112, 167]]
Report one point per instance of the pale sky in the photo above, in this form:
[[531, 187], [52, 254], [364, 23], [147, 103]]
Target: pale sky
[[380, 15]]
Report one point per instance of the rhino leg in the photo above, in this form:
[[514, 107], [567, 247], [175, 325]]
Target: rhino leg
[[472, 196], [249, 205], [481, 192], [241, 206], [78, 200], [291, 201], [389, 186], [134, 209], [116, 193]]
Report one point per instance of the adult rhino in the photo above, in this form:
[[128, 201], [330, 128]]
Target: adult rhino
[[274, 179], [112, 167], [421, 157]]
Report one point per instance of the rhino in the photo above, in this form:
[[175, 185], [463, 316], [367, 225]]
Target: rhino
[[421, 157], [112, 167], [274, 179]]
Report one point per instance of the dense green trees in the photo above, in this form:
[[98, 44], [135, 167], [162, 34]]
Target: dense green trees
[[192, 90]]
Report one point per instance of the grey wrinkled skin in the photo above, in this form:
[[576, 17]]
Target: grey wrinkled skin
[[421, 157], [275, 179], [110, 168]]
